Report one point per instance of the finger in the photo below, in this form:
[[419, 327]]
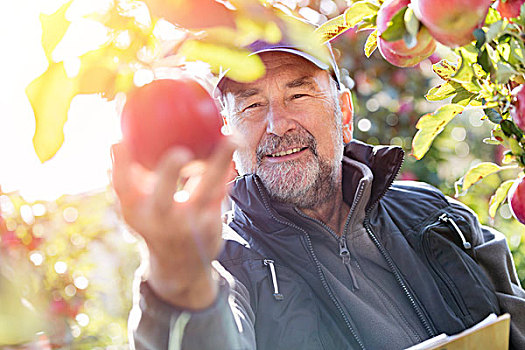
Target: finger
[[168, 172], [212, 187], [122, 177]]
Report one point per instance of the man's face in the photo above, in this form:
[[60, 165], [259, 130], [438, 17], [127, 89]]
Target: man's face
[[288, 126]]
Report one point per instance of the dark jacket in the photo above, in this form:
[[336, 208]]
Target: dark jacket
[[410, 265]]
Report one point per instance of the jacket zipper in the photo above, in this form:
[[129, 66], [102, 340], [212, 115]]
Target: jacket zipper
[[319, 271], [425, 321], [343, 248], [345, 255], [442, 276], [401, 282], [344, 252], [332, 297]]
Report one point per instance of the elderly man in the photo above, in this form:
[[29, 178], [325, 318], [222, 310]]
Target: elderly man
[[322, 250]]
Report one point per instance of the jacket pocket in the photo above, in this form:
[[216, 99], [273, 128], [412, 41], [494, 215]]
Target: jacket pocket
[[461, 281]]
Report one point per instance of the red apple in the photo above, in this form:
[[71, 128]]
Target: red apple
[[193, 14], [451, 22], [516, 199], [396, 52], [509, 8], [517, 111], [167, 113]]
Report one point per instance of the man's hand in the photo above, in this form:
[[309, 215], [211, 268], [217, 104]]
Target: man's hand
[[182, 237]]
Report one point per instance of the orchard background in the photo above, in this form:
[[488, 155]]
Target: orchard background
[[67, 264]]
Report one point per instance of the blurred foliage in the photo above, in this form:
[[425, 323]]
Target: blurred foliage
[[71, 262]]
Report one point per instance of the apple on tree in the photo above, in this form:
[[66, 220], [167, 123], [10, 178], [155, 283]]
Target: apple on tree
[[167, 113], [452, 22], [509, 8], [397, 52], [516, 198], [517, 111]]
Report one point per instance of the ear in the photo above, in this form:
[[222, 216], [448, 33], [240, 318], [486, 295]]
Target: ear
[[347, 109]]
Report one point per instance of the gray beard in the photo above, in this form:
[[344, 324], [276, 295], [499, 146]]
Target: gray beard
[[306, 182], [303, 185]]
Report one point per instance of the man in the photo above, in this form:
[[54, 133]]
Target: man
[[322, 249]]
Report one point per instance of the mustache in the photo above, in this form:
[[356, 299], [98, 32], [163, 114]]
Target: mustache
[[273, 143]]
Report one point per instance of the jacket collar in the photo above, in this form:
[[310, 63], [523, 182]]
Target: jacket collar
[[250, 196]]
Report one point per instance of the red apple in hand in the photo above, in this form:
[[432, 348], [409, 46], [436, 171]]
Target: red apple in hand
[[167, 113], [396, 52], [193, 14], [517, 111], [509, 8], [516, 199], [451, 22]]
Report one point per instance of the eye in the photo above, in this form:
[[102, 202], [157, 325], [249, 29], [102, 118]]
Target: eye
[[253, 105], [296, 96]]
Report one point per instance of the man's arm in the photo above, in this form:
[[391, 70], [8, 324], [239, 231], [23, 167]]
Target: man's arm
[[183, 238], [226, 324], [493, 255]]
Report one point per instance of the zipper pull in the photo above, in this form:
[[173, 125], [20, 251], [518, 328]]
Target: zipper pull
[[276, 294], [344, 253], [445, 218], [343, 250]]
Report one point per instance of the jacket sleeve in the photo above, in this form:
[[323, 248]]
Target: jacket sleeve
[[227, 324], [493, 255]]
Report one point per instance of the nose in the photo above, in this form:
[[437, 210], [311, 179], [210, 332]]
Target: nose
[[279, 121]]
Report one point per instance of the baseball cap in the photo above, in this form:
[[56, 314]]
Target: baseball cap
[[260, 46], [323, 60]]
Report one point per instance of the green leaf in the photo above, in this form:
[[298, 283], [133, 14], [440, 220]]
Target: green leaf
[[475, 174], [238, 63], [485, 62], [411, 22], [333, 28], [444, 69], [517, 51], [98, 72], [489, 141], [492, 16], [504, 50], [50, 96], [494, 31], [463, 97], [509, 128], [371, 43], [499, 196], [472, 86], [442, 91], [515, 147], [465, 72], [504, 72], [493, 115], [479, 72], [479, 34], [396, 27], [359, 11], [54, 28], [430, 125]]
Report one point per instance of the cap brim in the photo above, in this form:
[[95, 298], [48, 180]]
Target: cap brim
[[306, 56]]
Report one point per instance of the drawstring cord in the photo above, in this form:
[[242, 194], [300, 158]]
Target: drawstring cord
[[270, 264], [445, 218]]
